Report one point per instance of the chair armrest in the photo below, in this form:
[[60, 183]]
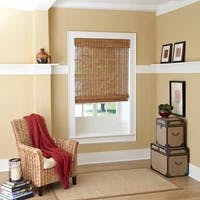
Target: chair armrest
[[67, 145], [29, 149], [31, 155], [32, 163], [72, 147]]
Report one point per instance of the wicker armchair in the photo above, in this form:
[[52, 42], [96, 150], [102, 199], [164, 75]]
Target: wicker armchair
[[32, 160]]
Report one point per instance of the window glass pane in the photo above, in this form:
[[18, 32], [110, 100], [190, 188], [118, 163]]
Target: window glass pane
[[111, 108], [101, 110], [106, 108], [88, 110], [78, 110]]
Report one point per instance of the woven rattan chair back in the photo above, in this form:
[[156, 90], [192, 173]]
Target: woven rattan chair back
[[21, 132]]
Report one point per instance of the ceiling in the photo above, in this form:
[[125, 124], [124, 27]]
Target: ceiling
[[158, 6], [27, 4], [137, 2]]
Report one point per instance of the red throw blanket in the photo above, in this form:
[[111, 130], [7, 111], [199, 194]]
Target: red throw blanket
[[42, 140]]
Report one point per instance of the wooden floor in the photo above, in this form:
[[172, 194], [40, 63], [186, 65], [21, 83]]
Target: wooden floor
[[190, 188]]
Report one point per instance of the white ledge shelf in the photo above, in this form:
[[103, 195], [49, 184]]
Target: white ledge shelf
[[32, 69], [170, 68], [41, 69], [182, 67]]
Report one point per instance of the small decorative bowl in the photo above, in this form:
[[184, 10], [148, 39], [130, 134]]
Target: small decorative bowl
[[164, 113]]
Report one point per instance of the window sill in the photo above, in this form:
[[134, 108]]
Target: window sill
[[92, 139]]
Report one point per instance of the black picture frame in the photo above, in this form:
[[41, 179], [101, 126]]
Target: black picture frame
[[166, 53], [179, 52], [177, 95]]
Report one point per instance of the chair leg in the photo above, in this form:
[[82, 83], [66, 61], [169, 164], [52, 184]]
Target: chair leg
[[74, 180], [40, 191]]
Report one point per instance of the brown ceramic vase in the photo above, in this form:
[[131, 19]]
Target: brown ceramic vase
[[42, 57]]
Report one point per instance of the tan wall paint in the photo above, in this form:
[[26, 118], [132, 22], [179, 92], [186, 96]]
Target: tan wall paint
[[25, 94], [15, 36], [20, 96], [22, 33], [146, 100], [42, 97], [142, 23], [40, 32], [59, 106], [180, 25], [192, 107], [16, 101]]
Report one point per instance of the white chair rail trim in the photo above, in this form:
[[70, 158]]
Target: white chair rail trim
[[47, 69], [31, 69]]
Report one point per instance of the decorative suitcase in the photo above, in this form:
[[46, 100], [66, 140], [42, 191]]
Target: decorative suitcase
[[170, 162], [170, 132]]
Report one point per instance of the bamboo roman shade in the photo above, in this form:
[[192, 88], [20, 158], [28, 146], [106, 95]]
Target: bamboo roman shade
[[101, 70]]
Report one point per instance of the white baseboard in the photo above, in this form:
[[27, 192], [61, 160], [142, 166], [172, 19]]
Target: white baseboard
[[4, 165], [113, 156], [194, 172], [101, 157]]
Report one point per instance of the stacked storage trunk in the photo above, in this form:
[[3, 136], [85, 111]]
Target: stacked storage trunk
[[170, 155]]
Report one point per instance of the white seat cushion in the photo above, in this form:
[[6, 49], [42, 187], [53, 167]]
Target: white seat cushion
[[49, 163]]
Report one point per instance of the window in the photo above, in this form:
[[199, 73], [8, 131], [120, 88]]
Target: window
[[95, 109], [101, 112]]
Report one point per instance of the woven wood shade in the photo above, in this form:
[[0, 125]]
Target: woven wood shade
[[101, 70]]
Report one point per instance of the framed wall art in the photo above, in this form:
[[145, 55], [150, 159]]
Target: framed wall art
[[179, 52], [177, 97], [166, 53]]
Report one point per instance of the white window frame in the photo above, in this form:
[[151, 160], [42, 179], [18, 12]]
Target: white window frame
[[71, 35]]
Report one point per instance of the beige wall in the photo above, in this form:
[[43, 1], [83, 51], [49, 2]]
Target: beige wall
[[22, 34], [192, 107], [59, 106], [42, 97], [43, 93], [40, 37], [15, 36], [183, 25], [142, 23], [180, 25], [48, 95], [146, 99], [16, 101], [21, 95]]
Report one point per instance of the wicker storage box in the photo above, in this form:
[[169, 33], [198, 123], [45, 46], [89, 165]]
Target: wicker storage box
[[170, 132], [169, 162]]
